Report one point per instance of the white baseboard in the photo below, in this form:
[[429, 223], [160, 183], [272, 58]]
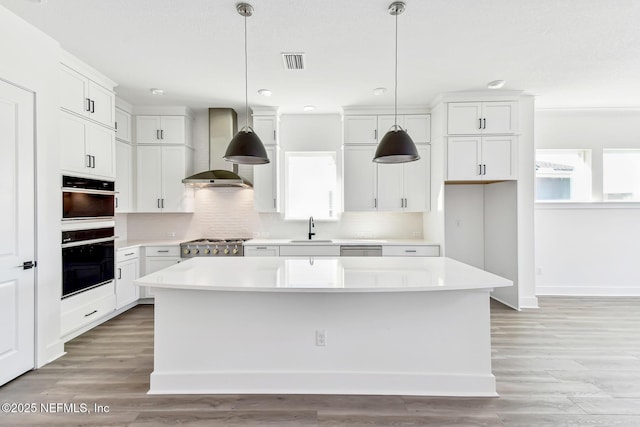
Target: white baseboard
[[588, 291], [369, 383]]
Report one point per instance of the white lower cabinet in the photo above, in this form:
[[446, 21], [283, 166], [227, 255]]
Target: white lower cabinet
[[127, 270], [268, 250], [156, 258], [84, 308]]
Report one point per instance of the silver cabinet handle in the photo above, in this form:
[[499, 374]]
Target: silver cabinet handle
[[158, 203], [165, 251], [479, 123], [161, 133], [375, 134], [90, 314], [479, 169], [402, 203], [88, 160], [116, 199], [129, 254], [405, 203], [157, 133], [375, 202], [274, 134], [484, 123], [94, 161], [93, 106], [162, 203], [410, 251], [119, 273], [261, 248], [274, 203], [484, 169]]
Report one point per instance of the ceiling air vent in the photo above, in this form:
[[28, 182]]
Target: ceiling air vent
[[293, 61]]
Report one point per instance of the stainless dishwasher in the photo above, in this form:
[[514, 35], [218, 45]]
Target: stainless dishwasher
[[360, 250]]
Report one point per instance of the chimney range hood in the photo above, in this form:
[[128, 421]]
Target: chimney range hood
[[223, 125]]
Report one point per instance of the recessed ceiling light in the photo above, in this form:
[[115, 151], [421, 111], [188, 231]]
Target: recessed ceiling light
[[309, 108], [265, 92], [156, 91], [379, 91], [496, 84]]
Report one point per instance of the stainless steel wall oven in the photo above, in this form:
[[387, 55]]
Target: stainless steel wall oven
[[84, 198], [87, 259]]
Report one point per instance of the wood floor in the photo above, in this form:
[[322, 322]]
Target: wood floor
[[573, 362]]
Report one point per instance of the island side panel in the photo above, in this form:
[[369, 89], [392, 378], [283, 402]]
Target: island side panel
[[411, 343]]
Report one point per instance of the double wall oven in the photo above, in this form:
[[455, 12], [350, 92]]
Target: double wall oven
[[87, 234]]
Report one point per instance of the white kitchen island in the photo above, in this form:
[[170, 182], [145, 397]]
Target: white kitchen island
[[350, 325]]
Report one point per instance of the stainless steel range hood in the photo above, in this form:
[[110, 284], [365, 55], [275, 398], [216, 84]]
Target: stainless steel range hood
[[223, 125]]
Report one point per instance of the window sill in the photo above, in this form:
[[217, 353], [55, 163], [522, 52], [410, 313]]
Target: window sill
[[587, 205]]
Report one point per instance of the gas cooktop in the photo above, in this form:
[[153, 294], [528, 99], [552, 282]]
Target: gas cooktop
[[212, 247]]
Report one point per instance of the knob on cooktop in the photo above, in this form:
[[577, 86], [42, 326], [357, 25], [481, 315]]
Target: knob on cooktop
[[235, 250], [207, 251], [216, 251], [196, 251], [186, 251]]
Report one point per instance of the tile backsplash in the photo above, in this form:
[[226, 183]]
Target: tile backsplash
[[228, 212]]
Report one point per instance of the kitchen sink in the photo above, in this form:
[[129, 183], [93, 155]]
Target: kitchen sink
[[310, 241]]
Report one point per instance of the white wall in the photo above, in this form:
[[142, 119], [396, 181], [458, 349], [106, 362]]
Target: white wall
[[228, 212], [30, 59], [588, 249]]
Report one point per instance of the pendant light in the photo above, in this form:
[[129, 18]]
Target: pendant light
[[246, 148], [396, 146]]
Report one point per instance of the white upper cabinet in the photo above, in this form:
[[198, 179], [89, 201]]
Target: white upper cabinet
[[161, 130], [405, 187], [360, 178], [477, 158], [87, 149], [123, 125], [81, 95], [360, 129], [266, 127], [265, 182], [371, 129], [482, 118], [160, 171], [124, 177]]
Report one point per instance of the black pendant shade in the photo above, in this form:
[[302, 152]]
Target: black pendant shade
[[246, 148], [396, 147]]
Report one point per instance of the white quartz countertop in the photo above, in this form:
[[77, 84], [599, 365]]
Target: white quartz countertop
[[318, 241], [339, 274]]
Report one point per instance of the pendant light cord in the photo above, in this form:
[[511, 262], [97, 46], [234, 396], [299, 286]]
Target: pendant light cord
[[395, 109], [246, 79]]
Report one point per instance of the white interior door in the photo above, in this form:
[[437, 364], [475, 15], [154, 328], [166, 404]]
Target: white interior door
[[17, 244]]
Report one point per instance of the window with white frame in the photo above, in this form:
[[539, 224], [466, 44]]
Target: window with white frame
[[563, 175], [621, 175], [311, 185]]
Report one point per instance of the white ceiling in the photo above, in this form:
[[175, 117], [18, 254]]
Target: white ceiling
[[570, 53]]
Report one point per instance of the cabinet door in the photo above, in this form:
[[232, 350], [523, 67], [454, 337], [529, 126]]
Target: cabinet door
[[74, 91], [418, 126], [360, 129], [266, 129], [126, 291], [123, 177], [149, 179], [390, 187], [172, 129], [123, 125], [73, 157], [464, 118], [267, 250], [463, 158], [359, 176], [174, 160], [417, 182], [147, 129], [385, 122], [265, 183], [501, 117], [498, 157], [100, 143], [102, 104], [153, 264]]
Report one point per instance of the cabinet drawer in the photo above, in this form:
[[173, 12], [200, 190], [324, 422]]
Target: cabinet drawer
[[169, 251], [309, 250], [127, 253], [433, 250], [87, 307], [262, 250]]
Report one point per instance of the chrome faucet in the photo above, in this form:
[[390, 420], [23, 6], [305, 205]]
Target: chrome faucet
[[311, 224]]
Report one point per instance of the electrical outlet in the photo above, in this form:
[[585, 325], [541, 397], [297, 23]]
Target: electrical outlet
[[171, 234], [321, 338]]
